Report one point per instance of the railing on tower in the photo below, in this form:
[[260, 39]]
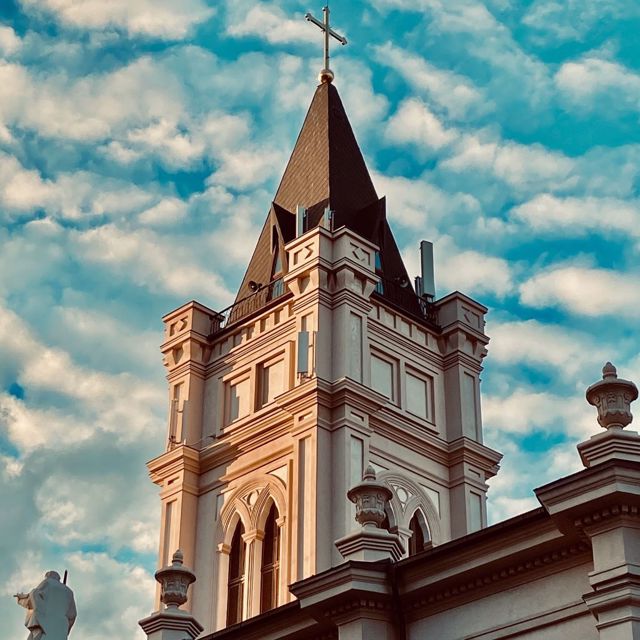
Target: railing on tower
[[404, 297], [247, 306]]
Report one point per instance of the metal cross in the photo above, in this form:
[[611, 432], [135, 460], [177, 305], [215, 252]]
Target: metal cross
[[326, 75]]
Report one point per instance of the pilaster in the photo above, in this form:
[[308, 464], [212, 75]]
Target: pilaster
[[186, 352], [177, 472]]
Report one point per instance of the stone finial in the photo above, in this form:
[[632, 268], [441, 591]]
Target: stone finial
[[174, 581], [371, 497], [613, 397]]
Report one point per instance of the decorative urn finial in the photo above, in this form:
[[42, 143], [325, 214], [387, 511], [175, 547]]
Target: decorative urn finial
[[371, 497], [613, 397], [174, 581]]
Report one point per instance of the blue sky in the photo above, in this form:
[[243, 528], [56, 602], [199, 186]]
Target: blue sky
[[141, 142]]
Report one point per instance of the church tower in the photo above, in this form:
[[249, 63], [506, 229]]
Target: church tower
[[327, 361]]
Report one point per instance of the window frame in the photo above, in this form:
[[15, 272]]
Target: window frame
[[238, 582], [429, 382], [232, 380], [261, 369], [395, 368]]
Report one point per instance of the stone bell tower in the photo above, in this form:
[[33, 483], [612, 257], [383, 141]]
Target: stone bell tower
[[327, 362]]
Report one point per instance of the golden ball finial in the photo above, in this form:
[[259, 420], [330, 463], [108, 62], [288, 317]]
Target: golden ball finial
[[326, 76]]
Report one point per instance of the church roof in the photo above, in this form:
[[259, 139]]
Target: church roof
[[327, 169], [326, 166]]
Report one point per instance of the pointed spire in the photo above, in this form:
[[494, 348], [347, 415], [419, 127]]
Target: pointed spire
[[326, 167], [327, 171]]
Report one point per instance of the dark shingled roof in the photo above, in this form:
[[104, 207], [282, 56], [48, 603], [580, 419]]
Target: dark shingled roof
[[326, 169]]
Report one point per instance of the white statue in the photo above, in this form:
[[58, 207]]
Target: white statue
[[51, 609]]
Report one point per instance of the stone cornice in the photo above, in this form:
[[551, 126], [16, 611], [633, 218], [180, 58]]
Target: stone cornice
[[178, 460], [355, 300], [355, 394], [173, 620], [600, 518], [414, 437], [458, 357], [610, 445], [362, 577], [188, 367], [467, 450], [591, 491], [477, 306], [192, 304], [459, 326], [287, 621], [253, 435]]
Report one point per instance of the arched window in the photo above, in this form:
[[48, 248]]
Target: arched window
[[235, 590], [270, 571], [418, 538]]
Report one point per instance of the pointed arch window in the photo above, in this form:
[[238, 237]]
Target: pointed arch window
[[420, 537], [270, 572], [235, 590]]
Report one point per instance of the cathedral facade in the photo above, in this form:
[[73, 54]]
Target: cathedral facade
[[330, 366]]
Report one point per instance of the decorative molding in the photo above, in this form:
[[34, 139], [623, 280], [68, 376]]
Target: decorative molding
[[417, 499], [608, 513], [359, 604], [487, 578], [269, 488]]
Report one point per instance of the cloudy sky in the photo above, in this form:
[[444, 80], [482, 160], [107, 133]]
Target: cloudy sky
[[141, 142]]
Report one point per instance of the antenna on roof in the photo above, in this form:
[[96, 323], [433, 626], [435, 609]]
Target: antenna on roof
[[428, 277]]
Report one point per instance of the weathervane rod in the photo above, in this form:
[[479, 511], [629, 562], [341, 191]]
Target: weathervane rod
[[326, 75]]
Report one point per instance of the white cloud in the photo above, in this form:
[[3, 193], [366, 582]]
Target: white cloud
[[523, 167], [584, 290], [525, 411], [81, 510], [96, 332], [168, 211], [149, 260], [454, 93], [30, 429], [366, 109], [98, 395], [163, 19], [471, 272], [94, 107], [466, 270], [268, 22], [577, 216], [591, 79], [177, 147], [414, 123], [553, 348], [245, 168], [70, 196], [419, 205], [10, 42]]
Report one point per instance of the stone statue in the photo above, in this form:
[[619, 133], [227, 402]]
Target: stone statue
[[51, 609]]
